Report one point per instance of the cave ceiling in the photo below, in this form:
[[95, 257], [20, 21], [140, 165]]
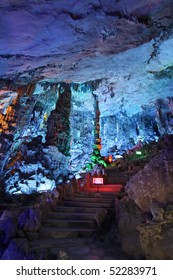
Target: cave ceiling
[[127, 44]]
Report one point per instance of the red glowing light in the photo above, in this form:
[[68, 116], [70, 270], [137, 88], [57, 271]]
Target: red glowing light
[[98, 181], [110, 159]]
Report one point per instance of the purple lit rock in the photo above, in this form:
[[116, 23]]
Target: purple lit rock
[[152, 187], [30, 220], [16, 250], [129, 216], [8, 225]]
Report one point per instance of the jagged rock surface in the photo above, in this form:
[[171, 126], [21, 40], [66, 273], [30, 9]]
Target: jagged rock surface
[[153, 183], [129, 216], [145, 217]]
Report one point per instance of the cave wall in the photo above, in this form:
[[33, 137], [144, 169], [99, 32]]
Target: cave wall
[[145, 214], [28, 162], [25, 116], [137, 99], [121, 132], [49, 129]]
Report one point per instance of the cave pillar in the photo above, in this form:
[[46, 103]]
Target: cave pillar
[[58, 125]]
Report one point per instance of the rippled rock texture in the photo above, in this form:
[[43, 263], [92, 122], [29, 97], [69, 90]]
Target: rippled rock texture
[[148, 208], [154, 183]]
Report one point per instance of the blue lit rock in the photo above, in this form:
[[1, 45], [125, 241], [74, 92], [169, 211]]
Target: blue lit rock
[[55, 162], [46, 185], [82, 127], [148, 124], [30, 168], [33, 122], [6, 98], [24, 188], [28, 186], [11, 183]]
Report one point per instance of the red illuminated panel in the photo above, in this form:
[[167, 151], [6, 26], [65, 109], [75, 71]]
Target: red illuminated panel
[[98, 181]]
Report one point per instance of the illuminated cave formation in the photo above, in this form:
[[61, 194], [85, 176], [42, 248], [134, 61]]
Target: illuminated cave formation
[[86, 93]]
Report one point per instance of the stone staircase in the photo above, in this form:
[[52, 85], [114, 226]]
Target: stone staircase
[[113, 182], [105, 188], [73, 222]]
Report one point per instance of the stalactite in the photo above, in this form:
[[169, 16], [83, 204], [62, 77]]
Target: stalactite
[[16, 116]]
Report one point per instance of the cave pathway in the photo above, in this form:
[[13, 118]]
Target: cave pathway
[[82, 227]]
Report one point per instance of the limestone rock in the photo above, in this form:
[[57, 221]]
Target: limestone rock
[[157, 236], [11, 183], [24, 188], [88, 35], [17, 249], [100, 217], [46, 185], [129, 217], [30, 168], [55, 161], [8, 225], [6, 99], [131, 245], [30, 220], [153, 182]]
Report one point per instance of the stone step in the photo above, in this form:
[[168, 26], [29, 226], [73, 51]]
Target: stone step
[[86, 205], [72, 209], [102, 189], [108, 187], [112, 185], [89, 199], [57, 243], [54, 232], [69, 223], [71, 215], [86, 193]]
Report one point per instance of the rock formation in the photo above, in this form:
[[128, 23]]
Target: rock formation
[[147, 210]]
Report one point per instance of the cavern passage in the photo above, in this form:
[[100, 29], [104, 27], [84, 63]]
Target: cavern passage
[[86, 91]]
